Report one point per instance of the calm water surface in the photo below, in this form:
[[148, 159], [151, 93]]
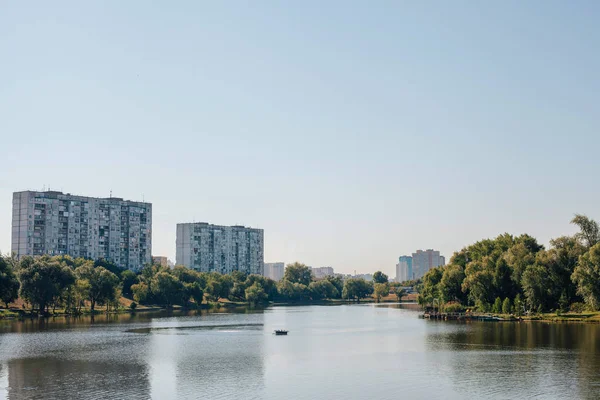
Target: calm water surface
[[332, 352]]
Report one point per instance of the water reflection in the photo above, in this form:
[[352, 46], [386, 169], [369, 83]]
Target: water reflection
[[178, 355], [193, 362], [551, 360], [350, 352], [51, 377]]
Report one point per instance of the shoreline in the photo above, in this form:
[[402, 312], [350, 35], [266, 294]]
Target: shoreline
[[14, 313], [585, 317]]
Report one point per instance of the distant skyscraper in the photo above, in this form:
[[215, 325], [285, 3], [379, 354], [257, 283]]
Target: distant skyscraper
[[54, 223], [322, 272], [423, 261], [224, 249], [404, 269], [275, 270]]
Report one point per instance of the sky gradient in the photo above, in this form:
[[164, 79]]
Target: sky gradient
[[351, 132]]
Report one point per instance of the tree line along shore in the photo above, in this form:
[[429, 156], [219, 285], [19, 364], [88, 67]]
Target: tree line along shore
[[507, 275], [59, 285], [515, 275]]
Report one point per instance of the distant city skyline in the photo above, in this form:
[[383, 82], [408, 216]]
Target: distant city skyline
[[350, 133]]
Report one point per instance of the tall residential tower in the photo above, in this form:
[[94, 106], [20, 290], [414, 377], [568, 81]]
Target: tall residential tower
[[54, 223], [274, 270], [424, 260], [224, 249], [404, 269]]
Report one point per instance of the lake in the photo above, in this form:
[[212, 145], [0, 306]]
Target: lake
[[332, 352]]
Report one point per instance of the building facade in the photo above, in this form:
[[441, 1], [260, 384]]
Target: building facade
[[322, 272], [274, 271], [424, 260], [160, 260], [404, 269], [224, 249], [54, 223]]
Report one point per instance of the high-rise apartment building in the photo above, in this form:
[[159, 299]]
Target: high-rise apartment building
[[404, 269], [322, 272], [274, 271], [54, 223], [224, 249], [423, 261]]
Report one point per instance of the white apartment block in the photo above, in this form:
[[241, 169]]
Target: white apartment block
[[274, 271], [54, 223], [224, 249]]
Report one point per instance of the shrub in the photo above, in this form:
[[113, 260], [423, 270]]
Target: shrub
[[133, 305], [506, 306], [453, 307], [578, 307]]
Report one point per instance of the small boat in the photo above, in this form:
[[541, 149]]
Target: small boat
[[280, 332]]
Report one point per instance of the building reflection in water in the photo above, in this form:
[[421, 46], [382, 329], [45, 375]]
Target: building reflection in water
[[205, 356], [56, 378], [223, 359]]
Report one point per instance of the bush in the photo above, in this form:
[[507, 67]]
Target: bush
[[133, 305], [578, 307], [453, 307], [506, 306]]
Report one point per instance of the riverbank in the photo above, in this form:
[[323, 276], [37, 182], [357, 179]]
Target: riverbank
[[585, 317], [17, 311]]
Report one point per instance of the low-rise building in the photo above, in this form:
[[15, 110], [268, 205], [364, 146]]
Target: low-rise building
[[160, 260]]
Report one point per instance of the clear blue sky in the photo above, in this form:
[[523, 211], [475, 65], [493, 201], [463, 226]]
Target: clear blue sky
[[352, 132]]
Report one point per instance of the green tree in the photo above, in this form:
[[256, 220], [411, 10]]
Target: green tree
[[450, 285], [381, 290], [587, 277], [9, 285], [536, 286], [298, 273], [518, 258], [214, 288], [479, 282], [322, 289], [128, 279], [357, 289], [43, 281], [380, 277], [589, 231], [109, 266], [338, 282], [506, 306], [518, 305], [103, 284], [563, 303], [141, 292], [255, 294], [238, 291], [81, 292], [430, 287], [166, 289], [193, 290], [268, 285], [400, 293], [497, 308]]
